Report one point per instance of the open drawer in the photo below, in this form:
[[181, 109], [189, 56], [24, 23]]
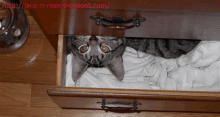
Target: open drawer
[[128, 99]]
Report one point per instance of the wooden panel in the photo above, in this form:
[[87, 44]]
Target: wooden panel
[[34, 62], [31, 51], [36, 112], [204, 26], [35, 31], [158, 25], [98, 113], [40, 98], [152, 100], [47, 107], [35, 72], [52, 38], [149, 105], [51, 25], [11, 111], [42, 104], [136, 94], [78, 22], [61, 61], [179, 106], [13, 94]]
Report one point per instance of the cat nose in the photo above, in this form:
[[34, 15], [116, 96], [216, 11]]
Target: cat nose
[[93, 40], [94, 60]]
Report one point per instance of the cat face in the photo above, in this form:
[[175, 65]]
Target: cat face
[[97, 51]]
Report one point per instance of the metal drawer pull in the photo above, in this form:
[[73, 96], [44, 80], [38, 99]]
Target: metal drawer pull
[[117, 22], [119, 105]]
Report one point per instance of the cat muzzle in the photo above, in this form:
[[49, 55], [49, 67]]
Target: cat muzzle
[[95, 62]]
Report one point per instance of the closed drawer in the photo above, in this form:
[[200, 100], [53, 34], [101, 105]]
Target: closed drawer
[[126, 99], [79, 22], [185, 19], [150, 102], [158, 24]]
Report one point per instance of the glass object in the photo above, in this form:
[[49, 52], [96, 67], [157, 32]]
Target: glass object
[[14, 27]]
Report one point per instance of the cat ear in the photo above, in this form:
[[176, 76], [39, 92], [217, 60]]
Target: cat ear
[[116, 67], [78, 68]]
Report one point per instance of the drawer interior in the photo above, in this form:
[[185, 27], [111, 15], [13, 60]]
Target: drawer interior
[[152, 100], [182, 66], [189, 72]]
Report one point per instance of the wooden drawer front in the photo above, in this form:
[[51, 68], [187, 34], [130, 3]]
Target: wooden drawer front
[[177, 19], [78, 22], [204, 26], [52, 25], [68, 100]]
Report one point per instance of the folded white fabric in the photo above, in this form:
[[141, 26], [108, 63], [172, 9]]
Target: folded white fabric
[[198, 70], [204, 54]]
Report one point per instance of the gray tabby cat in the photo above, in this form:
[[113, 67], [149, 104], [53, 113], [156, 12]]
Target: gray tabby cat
[[106, 51]]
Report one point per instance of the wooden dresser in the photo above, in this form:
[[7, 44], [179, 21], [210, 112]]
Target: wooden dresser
[[186, 19]]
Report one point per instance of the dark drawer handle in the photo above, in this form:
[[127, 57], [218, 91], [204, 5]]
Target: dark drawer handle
[[119, 105], [118, 22], [116, 27]]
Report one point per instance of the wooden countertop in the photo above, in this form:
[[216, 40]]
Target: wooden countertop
[[28, 73]]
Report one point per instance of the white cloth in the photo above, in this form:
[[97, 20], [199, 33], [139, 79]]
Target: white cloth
[[197, 70]]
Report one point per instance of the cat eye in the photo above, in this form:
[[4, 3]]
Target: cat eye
[[83, 48], [105, 48]]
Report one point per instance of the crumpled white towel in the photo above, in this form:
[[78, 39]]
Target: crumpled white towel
[[198, 70], [204, 54]]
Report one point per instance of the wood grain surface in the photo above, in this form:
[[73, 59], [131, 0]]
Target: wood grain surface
[[28, 73], [15, 94]]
